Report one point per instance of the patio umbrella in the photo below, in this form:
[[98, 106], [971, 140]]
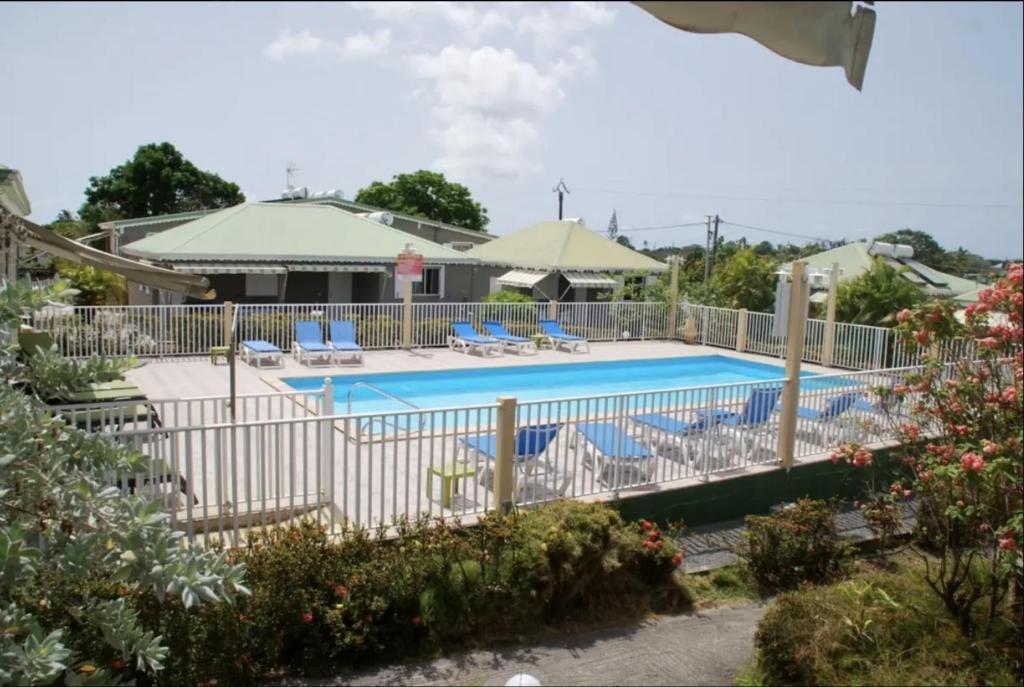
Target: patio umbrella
[[823, 34], [28, 233]]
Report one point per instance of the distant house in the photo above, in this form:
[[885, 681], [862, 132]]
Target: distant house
[[854, 259], [299, 253], [559, 260]]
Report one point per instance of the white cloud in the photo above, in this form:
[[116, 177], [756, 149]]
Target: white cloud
[[354, 47], [288, 44], [489, 71], [364, 45]]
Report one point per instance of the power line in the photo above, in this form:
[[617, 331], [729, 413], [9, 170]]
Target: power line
[[664, 226], [774, 231], [818, 201]]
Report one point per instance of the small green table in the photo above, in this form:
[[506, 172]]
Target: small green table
[[539, 340], [217, 351], [450, 474]]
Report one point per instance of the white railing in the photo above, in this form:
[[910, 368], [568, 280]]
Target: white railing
[[290, 454], [191, 330]]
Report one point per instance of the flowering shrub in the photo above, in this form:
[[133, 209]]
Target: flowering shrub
[[797, 544], [962, 439], [318, 602]]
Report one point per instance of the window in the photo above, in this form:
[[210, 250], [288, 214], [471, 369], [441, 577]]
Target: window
[[432, 284], [261, 285]]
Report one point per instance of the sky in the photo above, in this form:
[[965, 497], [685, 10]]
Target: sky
[[661, 126]]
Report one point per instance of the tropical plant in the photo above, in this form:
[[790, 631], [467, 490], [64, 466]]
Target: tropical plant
[[747, 281], [80, 558], [961, 437], [874, 298]]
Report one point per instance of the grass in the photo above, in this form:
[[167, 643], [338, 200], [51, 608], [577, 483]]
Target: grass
[[728, 585], [883, 626]]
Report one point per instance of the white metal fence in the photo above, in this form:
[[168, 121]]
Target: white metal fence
[[191, 330], [290, 454]]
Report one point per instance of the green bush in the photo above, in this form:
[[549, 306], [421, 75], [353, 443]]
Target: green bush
[[318, 602], [797, 544], [504, 296], [879, 628]]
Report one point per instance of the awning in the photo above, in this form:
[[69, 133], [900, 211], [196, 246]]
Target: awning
[[23, 231], [521, 279], [590, 280], [214, 268], [338, 267], [823, 34]]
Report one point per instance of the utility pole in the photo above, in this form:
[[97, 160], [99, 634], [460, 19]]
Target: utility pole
[[714, 244], [559, 189], [707, 247]]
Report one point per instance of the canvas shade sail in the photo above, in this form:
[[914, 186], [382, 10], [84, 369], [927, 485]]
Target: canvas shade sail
[[589, 280], [822, 34], [27, 233], [521, 278]]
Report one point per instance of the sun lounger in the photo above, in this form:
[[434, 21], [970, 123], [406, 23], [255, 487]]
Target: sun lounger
[[467, 339], [559, 338], [614, 455], [520, 344], [309, 343], [343, 340], [821, 425], [255, 351]]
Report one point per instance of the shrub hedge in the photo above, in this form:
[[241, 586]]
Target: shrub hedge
[[326, 604]]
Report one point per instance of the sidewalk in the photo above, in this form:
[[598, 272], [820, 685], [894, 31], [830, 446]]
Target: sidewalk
[[705, 648]]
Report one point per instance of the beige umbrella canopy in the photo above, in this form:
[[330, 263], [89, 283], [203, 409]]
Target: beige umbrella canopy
[[23, 231], [822, 34]]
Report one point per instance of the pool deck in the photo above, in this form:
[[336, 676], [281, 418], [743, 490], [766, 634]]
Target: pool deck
[[193, 377]]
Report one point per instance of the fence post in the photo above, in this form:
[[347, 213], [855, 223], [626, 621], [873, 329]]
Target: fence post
[[228, 313], [829, 345], [505, 454], [794, 354], [673, 301], [741, 331], [552, 310], [327, 447], [407, 314]]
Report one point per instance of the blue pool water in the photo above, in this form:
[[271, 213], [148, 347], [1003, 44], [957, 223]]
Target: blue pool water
[[480, 386]]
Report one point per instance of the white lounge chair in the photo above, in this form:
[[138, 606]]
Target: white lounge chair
[[467, 339], [255, 351], [559, 338], [614, 455], [309, 343], [343, 340], [520, 344]]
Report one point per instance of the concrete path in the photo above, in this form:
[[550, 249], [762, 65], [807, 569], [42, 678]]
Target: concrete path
[[705, 648]]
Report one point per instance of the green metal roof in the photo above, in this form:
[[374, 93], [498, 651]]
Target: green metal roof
[[562, 245], [854, 260], [353, 206], [262, 232]]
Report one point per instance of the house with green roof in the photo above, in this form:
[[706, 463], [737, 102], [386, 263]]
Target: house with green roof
[[560, 260], [299, 253], [854, 259]]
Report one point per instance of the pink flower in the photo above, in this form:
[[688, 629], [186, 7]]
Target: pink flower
[[972, 462], [1009, 395], [990, 448], [921, 336], [856, 504], [904, 315], [907, 493], [900, 389], [927, 475], [307, 617], [989, 342], [1008, 543], [911, 430]]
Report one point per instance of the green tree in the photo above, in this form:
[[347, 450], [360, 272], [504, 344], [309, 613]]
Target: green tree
[[747, 281], [926, 248], [876, 296], [158, 180], [429, 195], [623, 240], [70, 226]]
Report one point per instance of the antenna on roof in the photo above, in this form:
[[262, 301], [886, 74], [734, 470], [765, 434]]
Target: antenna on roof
[[560, 189], [289, 172]]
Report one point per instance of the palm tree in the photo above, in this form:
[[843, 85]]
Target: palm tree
[[876, 296]]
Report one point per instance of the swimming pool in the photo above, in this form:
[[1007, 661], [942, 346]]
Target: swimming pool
[[480, 386]]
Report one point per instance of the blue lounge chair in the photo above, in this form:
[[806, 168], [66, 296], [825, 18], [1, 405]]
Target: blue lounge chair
[[256, 350], [467, 338], [557, 337], [343, 340], [531, 442], [671, 435], [819, 423], [613, 454], [309, 343], [521, 344], [746, 425]]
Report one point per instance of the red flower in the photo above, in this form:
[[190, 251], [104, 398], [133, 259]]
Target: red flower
[[341, 591], [646, 524], [416, 620], [1008, 543], [921, 336], [677, 559], [648, 544], [904, 315], [117, 664], [972, 462], [307, 617]]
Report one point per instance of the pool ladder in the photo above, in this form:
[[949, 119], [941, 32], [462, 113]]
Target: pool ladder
[[381, 392]]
